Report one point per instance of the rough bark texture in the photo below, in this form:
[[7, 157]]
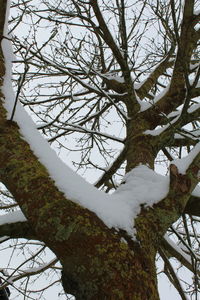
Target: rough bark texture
[[98, 263], [109, 267]]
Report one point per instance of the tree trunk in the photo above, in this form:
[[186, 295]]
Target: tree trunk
[[98, 262], [115, 271]]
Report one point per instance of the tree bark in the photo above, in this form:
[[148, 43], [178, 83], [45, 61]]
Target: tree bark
[[98, 262]]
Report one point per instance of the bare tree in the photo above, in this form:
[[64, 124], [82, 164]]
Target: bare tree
[[114, 86]]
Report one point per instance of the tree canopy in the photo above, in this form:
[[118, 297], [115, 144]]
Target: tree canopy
[[113, 87]]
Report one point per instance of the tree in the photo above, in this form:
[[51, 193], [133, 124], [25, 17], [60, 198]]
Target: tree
[[133, 62]]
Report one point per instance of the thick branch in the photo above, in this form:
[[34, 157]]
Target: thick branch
[[18, 230], [113, 168], [153, 77], [107, 35], [171, 274], [177, 253], [167, 104], [179, 84]]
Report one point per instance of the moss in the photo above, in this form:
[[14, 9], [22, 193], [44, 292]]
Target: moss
[[123, 246], [64, 233], [118, 294]]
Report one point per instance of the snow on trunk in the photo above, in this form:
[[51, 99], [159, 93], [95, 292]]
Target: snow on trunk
[[143, 186]]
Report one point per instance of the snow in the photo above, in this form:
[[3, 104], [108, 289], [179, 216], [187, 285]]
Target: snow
[[12, 217], [4, 238], [78, 128], [142, 185], [184, 163], [192, 135], [161, 94], [32, 271], [197, 85], [194, 66], [138, 85], [197, 12], [158, 131], [4, 272], [194, 107], [146, 105], [196, 191], [174, 114], [111, 76]]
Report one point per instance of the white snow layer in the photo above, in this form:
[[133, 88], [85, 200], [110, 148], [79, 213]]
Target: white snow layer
[[196, 191], [197, 12], [12, 217], [184, 163], [142, 185]]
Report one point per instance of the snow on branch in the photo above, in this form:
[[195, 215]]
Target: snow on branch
[[196, 192], [142, 185], [33, 271], [4, 238], [12, 217], [15, 225], [78, 128], [27, 272], [184, 163]]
